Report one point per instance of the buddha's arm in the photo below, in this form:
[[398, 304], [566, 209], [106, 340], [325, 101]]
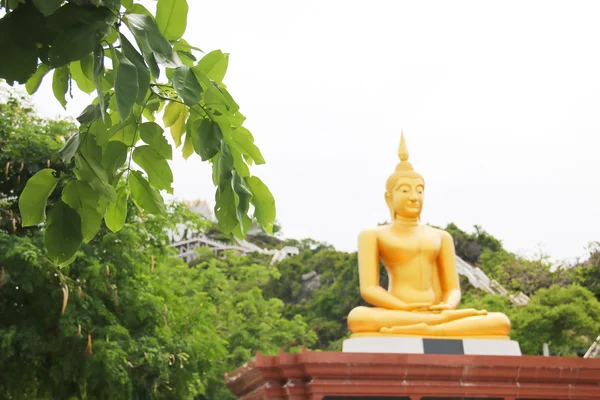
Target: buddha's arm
[[368, 272], [447, 272]]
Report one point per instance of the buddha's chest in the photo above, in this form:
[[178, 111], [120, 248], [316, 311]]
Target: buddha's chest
[[401, 248]]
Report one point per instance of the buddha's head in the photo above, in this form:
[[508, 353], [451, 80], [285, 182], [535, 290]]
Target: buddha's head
[[404, 188]]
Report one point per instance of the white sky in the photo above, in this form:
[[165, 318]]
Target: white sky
[[499, 102]]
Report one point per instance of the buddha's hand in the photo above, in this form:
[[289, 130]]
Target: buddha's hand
[[418, 306], [440, 307]]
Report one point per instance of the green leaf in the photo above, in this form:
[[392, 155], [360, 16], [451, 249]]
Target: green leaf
[[152, 134], [214, 65], [91, 171], [145, 196], [87, 66], [92, 112], [98, 60], [116, 213], [89, 148], [113, 158], [143, 74], [152, 64], [81, 197], [238, 232], [19, 31], [239, 163], [208, 139], [32, 202], [188, 143], [184, 46], [47, 7], [178, 128], [84, 83], [146, 31], [60, 84], [102, 130], [171, 18], [98, 67], [70, 148], [225, 165], [128, 4], [35, 81], [125, 132], [138, 9], [234, 107], [89, 114], [225, 208], [214, 98], [186, 58], [263, 202], [236, 120], [115, 4], [186, 85], [114, 57], [172, 113], [244, 140], [63, 233], [242, 197], [112, 37], [157, 168], [216, 169], [76, 41], [126, 86]]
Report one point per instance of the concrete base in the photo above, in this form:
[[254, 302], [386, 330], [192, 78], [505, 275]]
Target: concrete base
[[415, 345]]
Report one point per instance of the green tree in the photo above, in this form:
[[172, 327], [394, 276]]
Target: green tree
[[110, 325], [127, 320], [139, 66], [516, 273], [567, 318], [326, 308], [247, 320], [587, 273]]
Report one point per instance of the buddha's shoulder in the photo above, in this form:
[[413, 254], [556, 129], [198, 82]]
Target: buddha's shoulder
[[385, 230], [373, 233], [442, 234]]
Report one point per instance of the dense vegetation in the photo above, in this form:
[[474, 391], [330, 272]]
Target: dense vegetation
[[125, 320], [128, 320]]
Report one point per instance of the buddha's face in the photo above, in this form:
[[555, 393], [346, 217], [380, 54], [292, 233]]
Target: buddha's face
[[407, 197]]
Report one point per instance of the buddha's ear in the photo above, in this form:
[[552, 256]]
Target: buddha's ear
[[388, 200]]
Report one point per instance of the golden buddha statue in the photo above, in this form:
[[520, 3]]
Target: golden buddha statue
[[423, 290]]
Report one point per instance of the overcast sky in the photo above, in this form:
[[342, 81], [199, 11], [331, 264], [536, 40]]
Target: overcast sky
[[499, 102]]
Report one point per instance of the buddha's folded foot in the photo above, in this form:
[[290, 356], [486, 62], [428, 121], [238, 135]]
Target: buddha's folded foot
[[416, 329], [451, 315]]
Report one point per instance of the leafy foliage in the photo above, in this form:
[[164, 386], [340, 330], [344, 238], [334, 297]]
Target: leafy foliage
[[137, 322], [587, 273], [125, 319], [28, 145], [121, 50], [567, 318], [515, 273]]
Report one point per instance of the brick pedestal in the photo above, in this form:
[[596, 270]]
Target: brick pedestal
[[354, 376]]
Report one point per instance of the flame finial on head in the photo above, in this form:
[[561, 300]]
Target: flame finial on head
[[402, 150], [403, 165]]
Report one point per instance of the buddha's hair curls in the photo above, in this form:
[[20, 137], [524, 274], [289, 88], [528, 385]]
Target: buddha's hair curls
[[393, 179]]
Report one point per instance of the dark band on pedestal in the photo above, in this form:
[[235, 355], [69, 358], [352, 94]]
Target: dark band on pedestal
[[443, 346]]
